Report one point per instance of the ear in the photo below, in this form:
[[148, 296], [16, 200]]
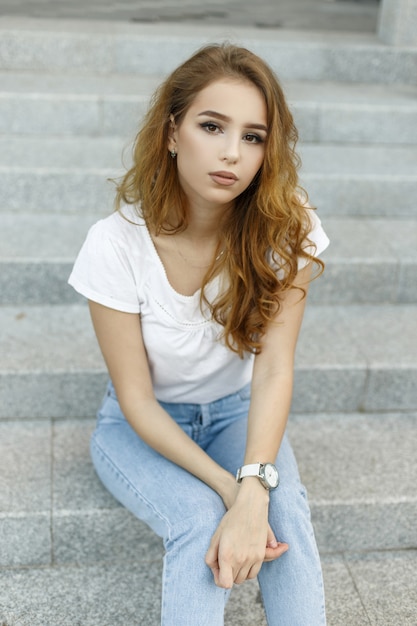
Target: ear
[[172, 134]]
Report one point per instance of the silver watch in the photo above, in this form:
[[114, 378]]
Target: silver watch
[[266, 472]]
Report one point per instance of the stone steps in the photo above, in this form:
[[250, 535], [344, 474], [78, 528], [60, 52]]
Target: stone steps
[[361, 589], [34, 270], [153, 49], [70, 94], [349, 358], [53, 455], [46, 104], [69, 174]]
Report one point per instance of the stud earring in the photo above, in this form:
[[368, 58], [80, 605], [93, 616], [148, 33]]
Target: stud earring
[[173, 154]]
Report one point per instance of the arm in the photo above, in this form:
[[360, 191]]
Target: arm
[[120, 339], [237, 549]]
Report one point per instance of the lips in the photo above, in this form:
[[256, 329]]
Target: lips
[[223, 178]]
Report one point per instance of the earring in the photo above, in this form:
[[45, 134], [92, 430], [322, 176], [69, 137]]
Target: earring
[[173, 154]]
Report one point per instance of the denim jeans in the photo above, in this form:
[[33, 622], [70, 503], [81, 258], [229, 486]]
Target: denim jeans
[[185, 512]]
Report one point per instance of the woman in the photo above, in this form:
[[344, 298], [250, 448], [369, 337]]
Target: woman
[[196, 287]]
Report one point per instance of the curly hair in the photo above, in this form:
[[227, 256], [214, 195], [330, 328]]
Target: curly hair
[[269, 221]]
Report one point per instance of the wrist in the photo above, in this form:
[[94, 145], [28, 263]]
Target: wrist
[[225, 486], [252, 489], [266, 473]]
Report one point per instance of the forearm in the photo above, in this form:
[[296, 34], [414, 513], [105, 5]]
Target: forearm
[[157, 428], [268, 415]]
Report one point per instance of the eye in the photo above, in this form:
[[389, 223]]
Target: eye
[[253, 138], [211, 127]]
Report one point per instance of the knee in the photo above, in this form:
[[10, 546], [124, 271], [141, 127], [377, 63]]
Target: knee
[[289, 511], [196, 530]]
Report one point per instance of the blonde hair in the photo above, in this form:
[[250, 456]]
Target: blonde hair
[[269, 217]]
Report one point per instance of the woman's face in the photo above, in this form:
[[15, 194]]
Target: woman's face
[[220, 143]]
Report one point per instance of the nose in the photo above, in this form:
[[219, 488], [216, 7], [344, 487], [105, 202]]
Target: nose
[[230, 150]]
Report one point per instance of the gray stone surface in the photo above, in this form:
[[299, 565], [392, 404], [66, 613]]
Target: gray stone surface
[[51, 394], [88, 524], [71, 175], [299, 14], [37, 253], [112, 595], [386, 584], [387, 337], [361, 252], [371, 181], [377, 588], [85, 47], [25, 445], [75, 481], [69, 554], [25, 493], [396, 23], [107, 536], [94, 105], [61, 153], [360, 472], [92, 595], [44, 236], [56, 190], [38, 339], [343, 603], [25, 539], [348, 358]]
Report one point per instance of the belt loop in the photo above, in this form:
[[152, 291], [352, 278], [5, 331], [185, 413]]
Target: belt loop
[[205, 414]]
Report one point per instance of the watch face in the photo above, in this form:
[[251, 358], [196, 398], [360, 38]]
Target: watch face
[[271, 475]]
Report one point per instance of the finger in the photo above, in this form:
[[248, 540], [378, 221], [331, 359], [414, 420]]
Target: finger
[[253, 571], [242, 575], [211, 558], [225, 576], [274, 553], [215, 570], [212, 554], [271, 541]]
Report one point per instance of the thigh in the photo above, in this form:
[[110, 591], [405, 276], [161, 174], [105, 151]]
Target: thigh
[[153, 488], [228, 438]]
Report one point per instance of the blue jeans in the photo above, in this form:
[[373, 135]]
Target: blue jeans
[[185, 512]]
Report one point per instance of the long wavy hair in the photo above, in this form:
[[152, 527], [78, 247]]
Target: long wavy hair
[[269, 219]]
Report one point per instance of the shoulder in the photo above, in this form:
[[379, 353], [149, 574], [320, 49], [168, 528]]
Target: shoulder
[[123, 229], [316, 233]]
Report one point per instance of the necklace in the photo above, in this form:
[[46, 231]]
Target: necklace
[[200, 267]]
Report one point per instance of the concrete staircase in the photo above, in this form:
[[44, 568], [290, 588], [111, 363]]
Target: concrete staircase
[[71, 94]]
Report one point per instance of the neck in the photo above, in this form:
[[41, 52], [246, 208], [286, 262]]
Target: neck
[[205, 223]]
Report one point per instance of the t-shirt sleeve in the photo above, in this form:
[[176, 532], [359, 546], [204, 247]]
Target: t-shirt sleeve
[[102, 271], [317, 239]]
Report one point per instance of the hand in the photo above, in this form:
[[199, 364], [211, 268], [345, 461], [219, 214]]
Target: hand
[[274, 548], [243, 539]]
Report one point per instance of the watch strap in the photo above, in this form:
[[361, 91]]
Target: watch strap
[[252, 469]]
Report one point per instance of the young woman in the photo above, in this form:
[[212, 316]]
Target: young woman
[[197, 287]]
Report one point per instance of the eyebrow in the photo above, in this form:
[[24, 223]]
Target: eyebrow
[[226, 118]]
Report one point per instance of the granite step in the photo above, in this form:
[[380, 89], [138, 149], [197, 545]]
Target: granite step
[[37, 252], [117, 47], [70, 175], [55, 104], [361, 589], [349, 358], [366, 502]]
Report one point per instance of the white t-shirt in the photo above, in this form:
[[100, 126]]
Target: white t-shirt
[[118, 266]]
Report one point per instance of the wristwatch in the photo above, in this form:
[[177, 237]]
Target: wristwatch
[[266, 472]]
